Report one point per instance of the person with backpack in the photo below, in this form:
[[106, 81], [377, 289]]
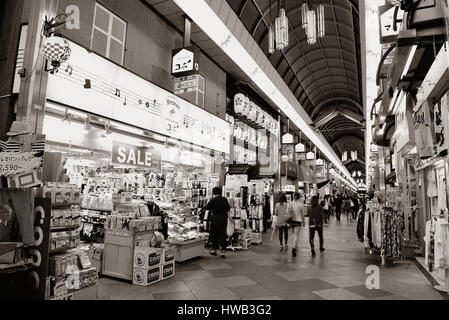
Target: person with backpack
[[218, 209]]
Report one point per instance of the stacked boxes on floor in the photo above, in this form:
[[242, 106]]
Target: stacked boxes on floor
[[246, 239], [152, 265]]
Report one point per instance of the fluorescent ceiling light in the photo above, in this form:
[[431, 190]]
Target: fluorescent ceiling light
[[206, 19]]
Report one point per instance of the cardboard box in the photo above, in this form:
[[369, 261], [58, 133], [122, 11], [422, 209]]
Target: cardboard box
[[246, 244], [256, 238], [168, 270], [147, 257], [168, 254], [146, 277]]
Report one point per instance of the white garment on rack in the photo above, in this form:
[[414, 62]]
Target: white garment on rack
[[373, 228], [365, 233], [432, 190], [442, 202], [427, 241], [440, 244], [376, 224]]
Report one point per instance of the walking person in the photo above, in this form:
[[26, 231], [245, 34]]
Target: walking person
[[266, 212], [338, 205], [355, 208], [218, 209], [298, 220], [281, 211], [315, 214]]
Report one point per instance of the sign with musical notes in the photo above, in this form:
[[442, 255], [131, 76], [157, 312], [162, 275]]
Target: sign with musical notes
[[98, 86]]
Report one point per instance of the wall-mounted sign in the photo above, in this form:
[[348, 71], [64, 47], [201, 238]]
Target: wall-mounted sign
[[125, 154], [423, 130], [386, 17], [288, 188], [292, 170], [186, 84], [21, 160], [404, 134], [120, 95], [185, 62]]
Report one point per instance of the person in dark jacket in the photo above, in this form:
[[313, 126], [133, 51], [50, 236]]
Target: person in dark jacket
[[218, 209], [316, 221], [266, 212], [338, 204]]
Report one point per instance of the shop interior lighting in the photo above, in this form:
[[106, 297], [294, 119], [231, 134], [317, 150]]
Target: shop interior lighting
[[87, 125], [67, 117], [107, 129], [206, 19]]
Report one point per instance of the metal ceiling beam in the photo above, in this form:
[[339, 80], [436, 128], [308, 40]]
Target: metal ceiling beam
[[353, 54], [346, 99]]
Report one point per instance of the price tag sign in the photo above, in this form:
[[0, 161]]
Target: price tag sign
[[12, 163]]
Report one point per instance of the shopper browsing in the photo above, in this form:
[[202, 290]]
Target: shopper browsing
[[218, 209], [281, 211], [315, 214], [297, 213]]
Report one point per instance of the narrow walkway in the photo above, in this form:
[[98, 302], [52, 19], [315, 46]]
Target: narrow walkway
[[264, 273]]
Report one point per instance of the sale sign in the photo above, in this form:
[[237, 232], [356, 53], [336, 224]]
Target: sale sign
[[129, 155]]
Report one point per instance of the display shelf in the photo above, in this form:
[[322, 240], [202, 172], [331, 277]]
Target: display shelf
[[63, 205], [98, 210], [87, 293], [61, 250], [16, 267], [56, 229]]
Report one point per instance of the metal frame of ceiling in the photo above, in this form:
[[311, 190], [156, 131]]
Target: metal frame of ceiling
[[322, 75]]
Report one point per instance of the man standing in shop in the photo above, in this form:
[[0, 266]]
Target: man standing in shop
[[218, 209]]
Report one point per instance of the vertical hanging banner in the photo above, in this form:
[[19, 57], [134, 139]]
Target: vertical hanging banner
[[441, 114], [423, 130]]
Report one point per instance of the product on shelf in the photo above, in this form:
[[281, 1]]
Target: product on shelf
[[65, 218], [62, 193], [64, 240]]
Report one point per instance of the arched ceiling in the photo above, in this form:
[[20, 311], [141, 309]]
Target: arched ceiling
[[322, 76]]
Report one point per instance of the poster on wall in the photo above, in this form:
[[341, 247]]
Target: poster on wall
[[423, 130]]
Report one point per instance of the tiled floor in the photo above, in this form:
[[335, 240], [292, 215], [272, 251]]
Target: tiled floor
[[264, 273]]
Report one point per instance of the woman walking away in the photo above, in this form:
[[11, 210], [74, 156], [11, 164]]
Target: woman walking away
[[219, 208], [315, 214], [297, 213], [281, 212]]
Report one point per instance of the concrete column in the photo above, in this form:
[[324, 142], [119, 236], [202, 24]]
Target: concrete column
[[33, 90]]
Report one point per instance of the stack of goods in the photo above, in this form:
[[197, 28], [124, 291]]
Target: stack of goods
[[61, 193], [67, 218], [120, 222], [64, 240], [255, 218], [102, 202], [153, 264], [69, 272], [92, 225], [184, 226]]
